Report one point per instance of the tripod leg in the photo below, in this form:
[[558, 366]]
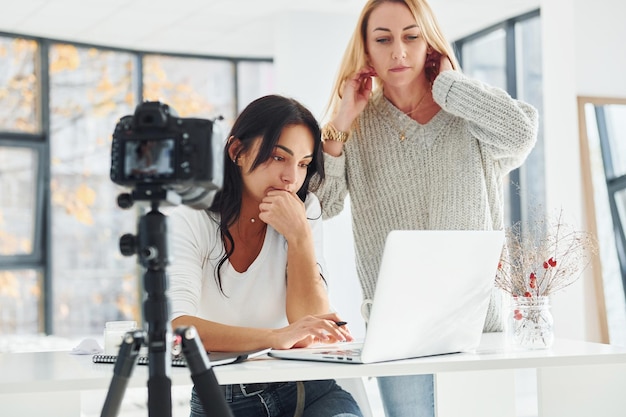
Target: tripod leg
[[202, 374], [159, 384], [126, 358], [159, 338]]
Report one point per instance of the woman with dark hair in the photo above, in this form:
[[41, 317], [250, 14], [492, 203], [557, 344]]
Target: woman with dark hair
[[248, 272]]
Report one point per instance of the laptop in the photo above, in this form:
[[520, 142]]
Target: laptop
[[431, 298]]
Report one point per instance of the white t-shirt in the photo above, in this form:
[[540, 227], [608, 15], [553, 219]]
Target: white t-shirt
[[254, 298]]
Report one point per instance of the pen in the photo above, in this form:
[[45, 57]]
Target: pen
[[341, 323]]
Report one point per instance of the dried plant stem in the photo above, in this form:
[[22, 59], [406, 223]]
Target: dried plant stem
[[542, 258]]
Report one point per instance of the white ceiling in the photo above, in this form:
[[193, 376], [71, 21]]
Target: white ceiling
[[237, 28]]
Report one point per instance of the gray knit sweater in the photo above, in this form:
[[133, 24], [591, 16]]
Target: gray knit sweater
[[447, 174]]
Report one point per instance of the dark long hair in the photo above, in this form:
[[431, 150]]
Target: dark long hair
[[265, 117]]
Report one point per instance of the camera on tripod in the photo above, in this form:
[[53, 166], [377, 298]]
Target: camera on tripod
[[166, 157], [163, 158]]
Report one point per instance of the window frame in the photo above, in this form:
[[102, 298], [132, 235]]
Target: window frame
[[517, 211], [40, 258]]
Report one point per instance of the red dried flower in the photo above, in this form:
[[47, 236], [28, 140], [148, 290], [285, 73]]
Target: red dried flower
[[536, 246]]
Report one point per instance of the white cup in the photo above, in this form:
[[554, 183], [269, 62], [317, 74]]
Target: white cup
[[114, 332]]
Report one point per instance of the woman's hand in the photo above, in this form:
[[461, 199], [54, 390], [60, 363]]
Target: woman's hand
[[311, 329], [435, 64], [445, 64], [285, 212], [355, 95]]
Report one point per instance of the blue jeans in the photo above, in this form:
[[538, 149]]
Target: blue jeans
[[322, 399], [407, 396]]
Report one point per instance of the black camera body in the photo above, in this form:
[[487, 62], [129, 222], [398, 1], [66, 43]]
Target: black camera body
[[155, 148]]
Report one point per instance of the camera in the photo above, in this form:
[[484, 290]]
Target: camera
[[158, 153]]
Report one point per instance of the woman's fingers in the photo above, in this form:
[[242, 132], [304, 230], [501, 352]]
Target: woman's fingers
[[317, 329]]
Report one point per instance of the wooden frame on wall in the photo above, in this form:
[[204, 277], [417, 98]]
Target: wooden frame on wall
[[597, 284]]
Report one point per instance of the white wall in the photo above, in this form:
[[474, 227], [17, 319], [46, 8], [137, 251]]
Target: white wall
[[600, 40], [309, 47], [563, 186], [583, 54]]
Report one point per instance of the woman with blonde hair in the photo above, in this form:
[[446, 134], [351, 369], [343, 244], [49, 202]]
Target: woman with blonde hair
[[417, 145]]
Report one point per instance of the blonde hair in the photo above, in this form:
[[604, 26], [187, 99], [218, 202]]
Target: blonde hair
[[355, 56]]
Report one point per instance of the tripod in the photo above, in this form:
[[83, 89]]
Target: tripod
[[150, 245]]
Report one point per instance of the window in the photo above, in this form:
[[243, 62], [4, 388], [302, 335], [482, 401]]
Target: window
[[603, 135], [21, 288], [254, 79], [61, 270], [19, 168], [92, 283], [21, 173], [508, 56], [194, 87], [19, 98]]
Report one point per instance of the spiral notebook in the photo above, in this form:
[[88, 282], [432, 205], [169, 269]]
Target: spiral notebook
[[215, 358]]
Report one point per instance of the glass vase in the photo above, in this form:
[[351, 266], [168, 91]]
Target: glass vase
[[530, 323]]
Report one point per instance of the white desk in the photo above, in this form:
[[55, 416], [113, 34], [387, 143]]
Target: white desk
[[573, 379]]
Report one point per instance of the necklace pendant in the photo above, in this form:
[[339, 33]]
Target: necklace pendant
[[402, 137]]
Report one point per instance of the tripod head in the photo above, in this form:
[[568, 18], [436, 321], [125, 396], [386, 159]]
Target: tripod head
[[150, 243]]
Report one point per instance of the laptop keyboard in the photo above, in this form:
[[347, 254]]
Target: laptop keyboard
[[348, 354]]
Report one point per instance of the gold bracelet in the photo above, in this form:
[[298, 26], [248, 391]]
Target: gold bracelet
[[330, 132]]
